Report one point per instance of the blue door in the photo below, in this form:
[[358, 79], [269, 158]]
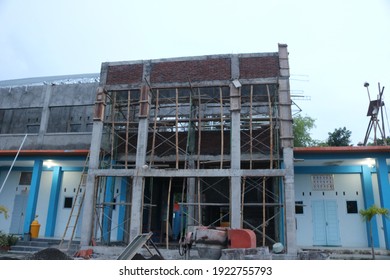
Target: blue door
[[18, 213], [325, 223]]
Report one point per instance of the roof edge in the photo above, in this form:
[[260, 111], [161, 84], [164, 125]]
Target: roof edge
[[44, 152], [344, 149]]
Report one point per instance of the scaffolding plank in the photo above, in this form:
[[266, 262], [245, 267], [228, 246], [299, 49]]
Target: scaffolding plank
[[134, 246]]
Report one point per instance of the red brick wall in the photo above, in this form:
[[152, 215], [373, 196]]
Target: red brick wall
[[194, 70], [259, 67], [124, 74], [191, 70]]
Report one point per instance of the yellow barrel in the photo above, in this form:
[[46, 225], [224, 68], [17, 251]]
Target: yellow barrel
[[34, 229]]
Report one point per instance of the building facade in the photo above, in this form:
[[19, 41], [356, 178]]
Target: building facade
[[332, 184], [45, 135], [170, 144]]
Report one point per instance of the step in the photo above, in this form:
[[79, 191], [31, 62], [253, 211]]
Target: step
[[38, 244]]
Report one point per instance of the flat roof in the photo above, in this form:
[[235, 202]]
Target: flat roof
[[65, 79]]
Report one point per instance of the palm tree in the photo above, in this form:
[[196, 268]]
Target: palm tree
[[4, 211], [367, 215]]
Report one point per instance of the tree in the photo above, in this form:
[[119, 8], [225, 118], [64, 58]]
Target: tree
[[339, 137], [380, 142], [301, 131], [367, 216]]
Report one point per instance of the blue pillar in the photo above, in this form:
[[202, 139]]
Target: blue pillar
[[33, 196], [368, 196], [384, 194], [53, 202], [122, 210], [107, 209]]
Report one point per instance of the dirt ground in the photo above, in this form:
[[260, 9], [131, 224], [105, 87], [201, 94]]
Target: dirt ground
[[45, 254]]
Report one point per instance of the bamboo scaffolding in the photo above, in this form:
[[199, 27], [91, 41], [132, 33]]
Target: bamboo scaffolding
[[199, 192], [250, 127], [127, 127], [167, 217], [221, 120], [113, 128], [156, 109], [242, 199], [177, 128], [174, 115]]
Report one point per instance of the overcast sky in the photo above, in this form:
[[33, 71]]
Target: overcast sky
[[335, 46]]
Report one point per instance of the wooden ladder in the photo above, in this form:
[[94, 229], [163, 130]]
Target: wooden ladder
[[76, 207]]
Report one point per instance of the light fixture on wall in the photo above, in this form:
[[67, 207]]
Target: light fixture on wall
[[49, 163], [370, 162]]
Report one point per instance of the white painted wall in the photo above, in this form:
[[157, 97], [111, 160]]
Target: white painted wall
[[43, 200], [347, 187], [70, 183]]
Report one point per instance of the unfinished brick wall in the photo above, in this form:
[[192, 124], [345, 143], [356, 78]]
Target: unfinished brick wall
[[124, 74], [195, 70], [259, 67]]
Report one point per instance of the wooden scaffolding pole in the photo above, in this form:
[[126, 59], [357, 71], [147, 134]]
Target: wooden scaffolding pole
[[221, 120], [199, 203], [199, 129], [167, 217], [177, 128], [250, 128], [156, 109], [264, 209], [242, 200], [127, 128], [198, 158], [270, 162], [271, 155], [113, 113]]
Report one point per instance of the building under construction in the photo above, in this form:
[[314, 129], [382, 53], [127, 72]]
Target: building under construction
[[208, 137]]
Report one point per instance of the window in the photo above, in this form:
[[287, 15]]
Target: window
[[323, 182], [25, 178], [352, 207], [298, 207], [68, 202]]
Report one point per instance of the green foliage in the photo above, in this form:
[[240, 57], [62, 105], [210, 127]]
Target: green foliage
[[380, 142], [4, 211], [369, 213], [301, 131], [367, 216], [7, 239], [339, 137]]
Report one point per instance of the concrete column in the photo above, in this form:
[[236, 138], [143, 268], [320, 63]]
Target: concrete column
[[287, 142], [33, 196], [140, 159], [88, 204], [289, 202], [138, 181], [368, 196], [384, 194], [53, 202], [45, 114], [235, 147]]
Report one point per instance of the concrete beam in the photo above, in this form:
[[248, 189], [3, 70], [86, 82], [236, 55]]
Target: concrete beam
[[147, 172]]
